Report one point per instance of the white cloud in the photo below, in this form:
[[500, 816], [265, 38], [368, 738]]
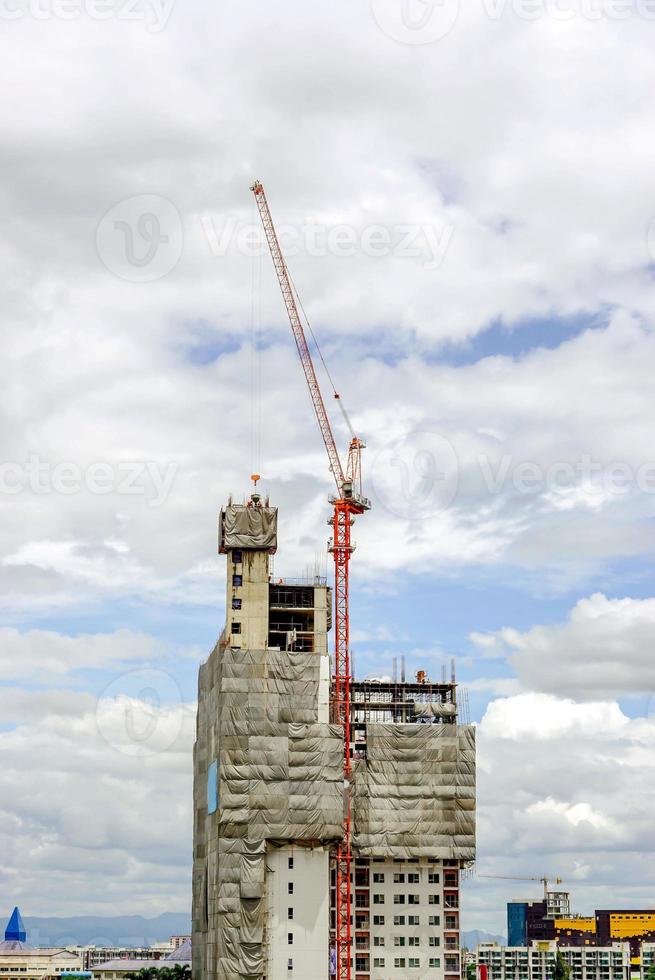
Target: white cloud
[[535, 158], [44, 655], [603, 649], [123, 372], [84, 821], [542, 716], [554, 781]]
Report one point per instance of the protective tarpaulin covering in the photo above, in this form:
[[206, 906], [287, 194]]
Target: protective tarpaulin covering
[[280, 780], [415, 792], [244, 527]]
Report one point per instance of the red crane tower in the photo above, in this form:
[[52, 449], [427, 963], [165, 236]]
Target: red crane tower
[[348, 503]]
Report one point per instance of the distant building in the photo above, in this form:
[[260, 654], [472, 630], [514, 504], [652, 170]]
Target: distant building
[[117, 968], [177, 941], [539, 921], [534, 919], [636, 926], [537, 962], [647, 958], [20, 961], [94, 956]]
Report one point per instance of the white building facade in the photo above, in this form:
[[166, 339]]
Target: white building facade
[[537, 962]]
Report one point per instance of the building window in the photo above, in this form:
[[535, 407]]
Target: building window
[[378, 877], [289, 913], [378, 899], [413, 920], [236, 627], [289, 964], [237, 557], [435, 963], [413, 941], [434, 920], [433, 878], [290, 939], [236, 603], [378, 920], [399, 963], [237, 580], [399, 920], [399, 940], [433, 899], [413, 900], [435, 941], [378, 961], [399, 900], [378, 940], [413, 878], [291, 864], [398, 878], [414, 963], [290, 888]]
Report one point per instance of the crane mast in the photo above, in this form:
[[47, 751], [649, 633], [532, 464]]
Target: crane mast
[[348, 503]]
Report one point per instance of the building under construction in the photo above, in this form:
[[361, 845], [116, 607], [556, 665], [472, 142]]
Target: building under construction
[[331, 817], [270, 796]]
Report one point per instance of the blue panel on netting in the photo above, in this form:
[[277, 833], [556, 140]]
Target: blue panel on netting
[[212, 788]]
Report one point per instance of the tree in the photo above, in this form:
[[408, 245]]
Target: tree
[[562, 969], [147, 973]]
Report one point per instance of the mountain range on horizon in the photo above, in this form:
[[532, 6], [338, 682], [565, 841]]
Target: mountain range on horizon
[[471, 938], [137, 930], [105, 930]]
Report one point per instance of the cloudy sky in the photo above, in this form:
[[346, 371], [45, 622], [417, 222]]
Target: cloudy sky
[[466, 200]]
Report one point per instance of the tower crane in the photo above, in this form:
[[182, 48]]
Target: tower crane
[[543, 879], [348, 503]]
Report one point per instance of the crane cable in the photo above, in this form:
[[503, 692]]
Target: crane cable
[[320, 354]]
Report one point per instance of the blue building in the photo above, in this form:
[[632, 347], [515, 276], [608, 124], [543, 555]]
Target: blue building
[[517, 923]]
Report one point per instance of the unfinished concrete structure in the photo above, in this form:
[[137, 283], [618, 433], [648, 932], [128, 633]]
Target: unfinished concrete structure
[[269, 792]]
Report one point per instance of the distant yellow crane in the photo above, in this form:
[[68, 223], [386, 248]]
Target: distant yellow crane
[[543, 879]]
